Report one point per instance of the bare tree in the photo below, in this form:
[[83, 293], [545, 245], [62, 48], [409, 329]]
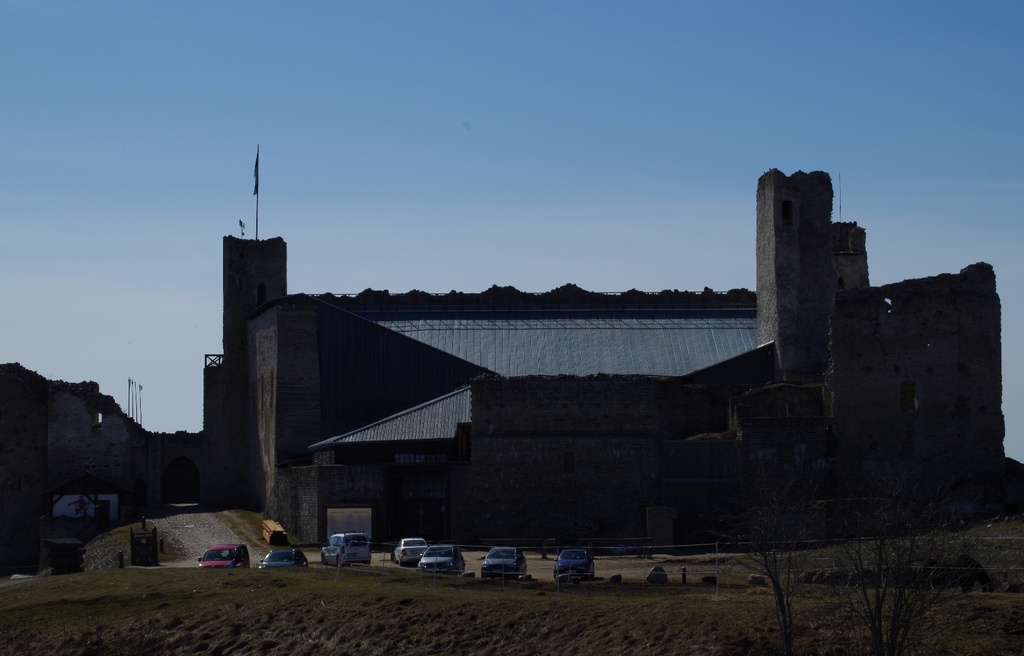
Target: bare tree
[[898, 563], [780, 523]]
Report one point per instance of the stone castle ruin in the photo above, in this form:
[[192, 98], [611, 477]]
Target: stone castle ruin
[[462, 416]]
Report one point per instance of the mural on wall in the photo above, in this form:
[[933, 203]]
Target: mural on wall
[[79, 506]]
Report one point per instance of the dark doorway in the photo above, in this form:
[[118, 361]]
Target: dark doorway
[[180, 482], [417, 505]]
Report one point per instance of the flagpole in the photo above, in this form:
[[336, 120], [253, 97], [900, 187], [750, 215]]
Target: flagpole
[[256, 189]]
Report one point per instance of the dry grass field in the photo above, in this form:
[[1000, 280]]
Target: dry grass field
[[384, 609]]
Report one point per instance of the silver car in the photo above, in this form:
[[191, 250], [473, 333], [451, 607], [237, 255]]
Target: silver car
[[409, 550], [346, 548]]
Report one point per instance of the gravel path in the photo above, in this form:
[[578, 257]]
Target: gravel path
[[192, 529], [188, 529]]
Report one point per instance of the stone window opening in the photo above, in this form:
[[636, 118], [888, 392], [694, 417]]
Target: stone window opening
[[888, 305], [97, 420], [261, 294], [908, 396], [787, 212], [569, 462]]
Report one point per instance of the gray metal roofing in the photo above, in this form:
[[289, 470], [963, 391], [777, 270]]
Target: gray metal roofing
[[434, 420], [663, 341]]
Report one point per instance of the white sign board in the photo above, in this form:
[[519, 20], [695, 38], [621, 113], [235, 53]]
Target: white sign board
[[349, 520]]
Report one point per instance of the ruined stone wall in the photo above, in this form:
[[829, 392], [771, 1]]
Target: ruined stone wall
[[52, 432], [82, 438], [781, 400], [796, 276], [573, 457], [599, 404], [564, 296], [559, 487], [22, 467], [916, 382]]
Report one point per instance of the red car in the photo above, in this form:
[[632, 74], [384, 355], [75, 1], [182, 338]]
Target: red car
[[225, 555]]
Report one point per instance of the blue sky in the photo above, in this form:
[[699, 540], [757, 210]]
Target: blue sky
[[459, 145]]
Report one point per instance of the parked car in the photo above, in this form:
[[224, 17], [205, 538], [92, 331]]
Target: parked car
[[225, 555], [503, 561], [346, 548], [442, 558], [284, 558], [575, 563], [409, 550]]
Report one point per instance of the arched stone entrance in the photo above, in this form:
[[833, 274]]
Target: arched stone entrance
[[180, 482]]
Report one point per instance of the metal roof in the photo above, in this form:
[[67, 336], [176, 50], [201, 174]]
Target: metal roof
[[663, 341], [673, 341], [434, 420]]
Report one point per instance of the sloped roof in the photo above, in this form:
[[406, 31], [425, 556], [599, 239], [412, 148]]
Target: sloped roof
[[580, 342], [435, 420]]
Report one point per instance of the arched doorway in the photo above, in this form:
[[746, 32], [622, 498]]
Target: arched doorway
[[180, 482]]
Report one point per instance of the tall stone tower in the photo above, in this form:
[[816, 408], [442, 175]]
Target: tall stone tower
[[255, 271], [796, 273]]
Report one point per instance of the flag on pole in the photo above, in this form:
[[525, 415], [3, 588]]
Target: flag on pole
[[256, 173]]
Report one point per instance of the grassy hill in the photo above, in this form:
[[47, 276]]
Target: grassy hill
[[390, 610]]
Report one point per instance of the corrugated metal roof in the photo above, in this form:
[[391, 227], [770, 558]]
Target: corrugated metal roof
[[509, 342], [434, 420], [666, 341]]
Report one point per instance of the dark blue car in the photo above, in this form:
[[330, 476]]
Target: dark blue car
[[503, 561], [574, 563]]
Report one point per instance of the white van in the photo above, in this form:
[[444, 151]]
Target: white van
[[346, 548]]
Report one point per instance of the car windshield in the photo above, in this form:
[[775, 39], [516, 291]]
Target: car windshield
[[278, 556], [219, 554], [438, 552], [501, 554], [415, 542], [573, 554]]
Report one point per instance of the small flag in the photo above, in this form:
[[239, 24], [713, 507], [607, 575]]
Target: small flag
[[256, 173]]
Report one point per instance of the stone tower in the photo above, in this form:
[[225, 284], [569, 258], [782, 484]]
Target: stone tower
[[255, 271], [796, 272], [850, 256]]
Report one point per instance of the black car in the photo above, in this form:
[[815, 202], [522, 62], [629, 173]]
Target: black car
[[284, 558], [574, 563], [503, 561]]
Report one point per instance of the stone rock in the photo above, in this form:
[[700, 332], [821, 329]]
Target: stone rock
[[657, 575], [756, 579]]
